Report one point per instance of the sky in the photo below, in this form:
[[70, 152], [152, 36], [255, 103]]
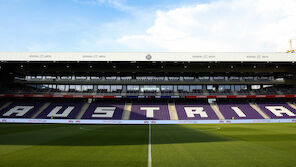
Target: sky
[[147, 25]]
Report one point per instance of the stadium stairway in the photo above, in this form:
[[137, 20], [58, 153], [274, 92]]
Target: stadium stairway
[[83, 110], [292, 105], [255, 107], [216, 109], [172, 111], [127, 111], [5, 105], [43, 107]]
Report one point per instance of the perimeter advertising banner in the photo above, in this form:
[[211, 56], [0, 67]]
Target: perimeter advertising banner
[[74, 121]]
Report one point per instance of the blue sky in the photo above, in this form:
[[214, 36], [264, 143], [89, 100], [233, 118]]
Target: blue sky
[[146, 25]]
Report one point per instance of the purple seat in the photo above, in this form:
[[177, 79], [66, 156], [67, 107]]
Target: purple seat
[[33, 105], [264, 108], [119, 107], [180, 107], [77, 107], [161, 111], [228, 112]]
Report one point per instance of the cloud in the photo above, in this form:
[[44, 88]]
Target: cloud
[[245, 25]]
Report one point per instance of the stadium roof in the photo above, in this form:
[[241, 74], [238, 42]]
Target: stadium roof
[[150, 56]]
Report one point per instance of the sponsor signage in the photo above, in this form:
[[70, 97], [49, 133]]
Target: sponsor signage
[[144, 56], [73, 121]]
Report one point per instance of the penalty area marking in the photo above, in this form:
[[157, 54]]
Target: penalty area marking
[[149, 148]]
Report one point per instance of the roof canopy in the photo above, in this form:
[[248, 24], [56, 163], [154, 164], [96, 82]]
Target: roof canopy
[[147, 56]]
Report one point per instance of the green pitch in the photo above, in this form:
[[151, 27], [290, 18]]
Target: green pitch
[[249, 145]]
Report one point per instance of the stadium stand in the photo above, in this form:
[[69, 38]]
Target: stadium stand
[[278, 110], [60, 110], [20, 109], [104, 110], [195, 111], [147, 86], [148, 110], [238, 110]]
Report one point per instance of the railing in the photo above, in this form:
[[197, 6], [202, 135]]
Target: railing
[[165, 93], [147, 80]]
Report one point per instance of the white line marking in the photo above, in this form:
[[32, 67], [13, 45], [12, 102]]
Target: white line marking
[[149, 148]]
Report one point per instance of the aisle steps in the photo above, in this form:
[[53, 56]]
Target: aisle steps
[[127, 111], [217, 111], [43, 107], [258, 109], [172, 111]]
